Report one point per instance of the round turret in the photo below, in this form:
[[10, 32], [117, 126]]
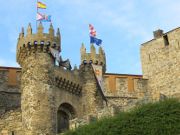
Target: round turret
[[37, 104], [39, 42]]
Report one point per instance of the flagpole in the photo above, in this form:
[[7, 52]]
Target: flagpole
[[36, 14]]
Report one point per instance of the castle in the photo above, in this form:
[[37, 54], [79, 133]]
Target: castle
[[42, 98]]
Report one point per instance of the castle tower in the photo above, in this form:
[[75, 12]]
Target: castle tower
[[93, 57], [93, 97], [37, 99], [160, 63]]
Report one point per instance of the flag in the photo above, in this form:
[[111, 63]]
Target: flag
[[92, 31], [39, 17], [95, 40], [47, 18], [43, 18], [41, 5]]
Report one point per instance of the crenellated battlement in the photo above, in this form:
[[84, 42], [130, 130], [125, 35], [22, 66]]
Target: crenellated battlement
[[37, 42], [93, 57]]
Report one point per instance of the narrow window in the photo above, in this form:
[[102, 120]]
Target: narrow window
[[166, 41], [149, 57]]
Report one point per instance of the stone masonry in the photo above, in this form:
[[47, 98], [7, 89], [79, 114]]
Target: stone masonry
[[161, 63], [42, 98]]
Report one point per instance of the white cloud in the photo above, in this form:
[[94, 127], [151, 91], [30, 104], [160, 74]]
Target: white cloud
[[129, 16], [119, 15]]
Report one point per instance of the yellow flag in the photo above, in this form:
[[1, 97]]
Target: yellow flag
[[41, 5]]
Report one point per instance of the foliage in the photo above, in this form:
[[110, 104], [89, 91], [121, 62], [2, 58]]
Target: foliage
[[161, 118]]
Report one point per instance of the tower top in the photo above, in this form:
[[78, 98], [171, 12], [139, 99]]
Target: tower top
[[93, 57], [37, 42]]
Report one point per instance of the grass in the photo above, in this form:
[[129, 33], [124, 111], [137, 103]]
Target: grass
[[161, 118]]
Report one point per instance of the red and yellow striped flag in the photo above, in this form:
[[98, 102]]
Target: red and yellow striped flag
[[41, 5]]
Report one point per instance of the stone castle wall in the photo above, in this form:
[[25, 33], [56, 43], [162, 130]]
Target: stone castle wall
[[116, 85], [9, 101], [10, 97], [62, 96], [10, 79], [124, 91], [124, 85], [11, 123], [91, 97], [161, 64]]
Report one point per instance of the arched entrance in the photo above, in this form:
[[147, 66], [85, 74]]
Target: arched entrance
[[65, 113]]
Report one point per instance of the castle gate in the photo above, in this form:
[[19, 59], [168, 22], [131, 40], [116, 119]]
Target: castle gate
[[65, 113]]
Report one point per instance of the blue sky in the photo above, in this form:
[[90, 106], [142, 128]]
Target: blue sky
[[123, 25]]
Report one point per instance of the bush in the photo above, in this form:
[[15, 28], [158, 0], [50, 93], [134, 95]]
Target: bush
[[161, 118]]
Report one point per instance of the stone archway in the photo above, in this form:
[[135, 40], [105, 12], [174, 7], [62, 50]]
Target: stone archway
[[65, 113]]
